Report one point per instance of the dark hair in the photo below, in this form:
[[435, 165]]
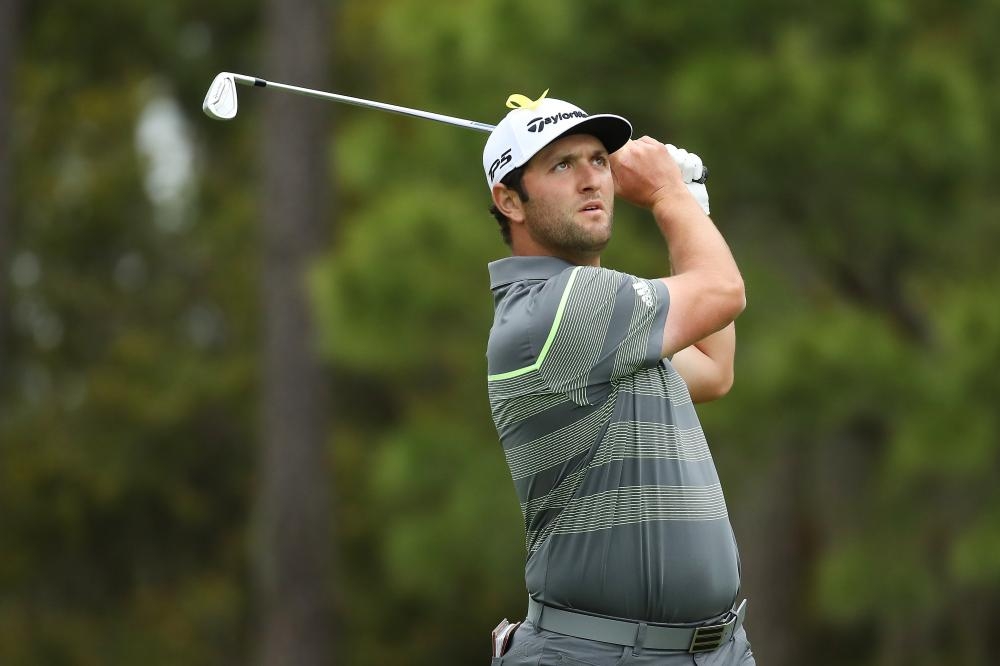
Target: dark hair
[[513, 180]]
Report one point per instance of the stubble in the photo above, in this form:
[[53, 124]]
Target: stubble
[[567, 231]]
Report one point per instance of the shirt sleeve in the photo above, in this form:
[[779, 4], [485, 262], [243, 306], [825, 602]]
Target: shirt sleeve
[[607, 325]]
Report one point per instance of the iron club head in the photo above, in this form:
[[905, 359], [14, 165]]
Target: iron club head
[[220, 101]]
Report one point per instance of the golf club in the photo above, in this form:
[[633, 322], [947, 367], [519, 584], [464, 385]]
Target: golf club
[[221, 103]]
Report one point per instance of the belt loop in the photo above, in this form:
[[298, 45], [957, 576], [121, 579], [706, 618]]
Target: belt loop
[[640, 638], [534, 612]]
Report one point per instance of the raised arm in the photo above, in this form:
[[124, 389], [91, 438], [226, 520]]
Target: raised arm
[[707, 365], [706, 289]]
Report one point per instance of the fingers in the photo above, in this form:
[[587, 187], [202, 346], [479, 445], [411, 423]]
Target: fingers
[[641, 169], [690, 164]]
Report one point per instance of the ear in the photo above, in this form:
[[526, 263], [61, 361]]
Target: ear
[[508, 202]]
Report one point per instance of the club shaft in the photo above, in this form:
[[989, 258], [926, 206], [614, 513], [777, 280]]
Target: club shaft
[[366, 103], [254, 81]]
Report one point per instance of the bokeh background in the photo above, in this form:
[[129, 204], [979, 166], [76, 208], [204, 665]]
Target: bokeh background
[[243, 413]]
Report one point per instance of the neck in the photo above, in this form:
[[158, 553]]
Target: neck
[[575, 259], [527, 247]]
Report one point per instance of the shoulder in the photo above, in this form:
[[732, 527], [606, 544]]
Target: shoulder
[[528, 304], [592, 287]]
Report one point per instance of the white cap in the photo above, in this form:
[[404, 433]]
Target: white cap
[[532, 125]]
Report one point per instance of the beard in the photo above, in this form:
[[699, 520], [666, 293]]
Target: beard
[[560, 230]]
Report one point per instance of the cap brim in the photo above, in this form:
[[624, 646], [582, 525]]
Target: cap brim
[[613, 131]]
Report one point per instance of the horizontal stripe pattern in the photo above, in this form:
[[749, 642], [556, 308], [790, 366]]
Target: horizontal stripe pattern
[[515, 387], [629, 505], [558, 498], [644, 383], [636, 439], [636, 504], [507, 413], [533, 539], [558, 447]]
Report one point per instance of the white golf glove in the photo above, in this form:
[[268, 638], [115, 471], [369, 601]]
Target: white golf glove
[[691, 168]]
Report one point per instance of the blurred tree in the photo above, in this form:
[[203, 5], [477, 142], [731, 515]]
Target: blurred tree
[[9, 28], [124, 462], [853, 172], [851, 158], [295, 549]]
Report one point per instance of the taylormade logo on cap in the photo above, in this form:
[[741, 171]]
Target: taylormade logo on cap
[[534, 124], [538, 124]]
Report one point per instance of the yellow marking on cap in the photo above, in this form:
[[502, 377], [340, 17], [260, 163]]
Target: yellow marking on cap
[[517, 101]]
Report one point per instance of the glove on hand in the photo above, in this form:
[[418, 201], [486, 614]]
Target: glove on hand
[[691, 169], [700, 194]]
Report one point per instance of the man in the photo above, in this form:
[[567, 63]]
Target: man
[[592, 375]]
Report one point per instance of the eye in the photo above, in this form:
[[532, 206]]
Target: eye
[[561, 166], [601, 160]]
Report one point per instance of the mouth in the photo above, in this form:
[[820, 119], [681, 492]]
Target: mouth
[[592, 206]]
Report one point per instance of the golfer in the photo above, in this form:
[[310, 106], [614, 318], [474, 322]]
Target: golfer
[[631, 558]]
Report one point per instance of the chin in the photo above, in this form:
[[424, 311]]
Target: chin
[[599, 247], [600, 241], [592, 246]]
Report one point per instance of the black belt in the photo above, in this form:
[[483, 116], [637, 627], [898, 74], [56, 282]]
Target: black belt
[[636, 634]]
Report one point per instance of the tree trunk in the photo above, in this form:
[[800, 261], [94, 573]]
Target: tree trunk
[[294, 561], [777, 554], [9, 11]]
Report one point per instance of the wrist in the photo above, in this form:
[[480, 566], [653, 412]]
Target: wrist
[[669, 201]]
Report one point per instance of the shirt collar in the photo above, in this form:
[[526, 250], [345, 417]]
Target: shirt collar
[[516, 269]]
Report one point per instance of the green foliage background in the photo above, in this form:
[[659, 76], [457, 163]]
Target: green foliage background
[[853, 162]]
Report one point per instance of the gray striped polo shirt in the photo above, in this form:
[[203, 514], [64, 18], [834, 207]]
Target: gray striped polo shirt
[[623, 512]]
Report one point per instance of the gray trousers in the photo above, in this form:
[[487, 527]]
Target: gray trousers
[[537, 647]]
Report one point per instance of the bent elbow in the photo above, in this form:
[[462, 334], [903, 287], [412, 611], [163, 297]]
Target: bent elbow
[[713, 390], [726, 384], [710, 393], [736, 297], [722, 387]]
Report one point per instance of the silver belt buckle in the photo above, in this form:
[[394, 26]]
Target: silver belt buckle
[[708, 638]]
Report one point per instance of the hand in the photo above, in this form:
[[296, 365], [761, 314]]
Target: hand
[[645, 173], [700, 194], [691, 169], [690, 164]]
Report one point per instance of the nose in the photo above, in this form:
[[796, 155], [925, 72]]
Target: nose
[[589, 177]]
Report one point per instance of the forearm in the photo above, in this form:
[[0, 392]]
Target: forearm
[[706, 288], [647, 176], [694, 243], [720, 347], [707, 366]]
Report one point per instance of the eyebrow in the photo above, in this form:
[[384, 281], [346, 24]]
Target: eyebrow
[[567, 157]]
